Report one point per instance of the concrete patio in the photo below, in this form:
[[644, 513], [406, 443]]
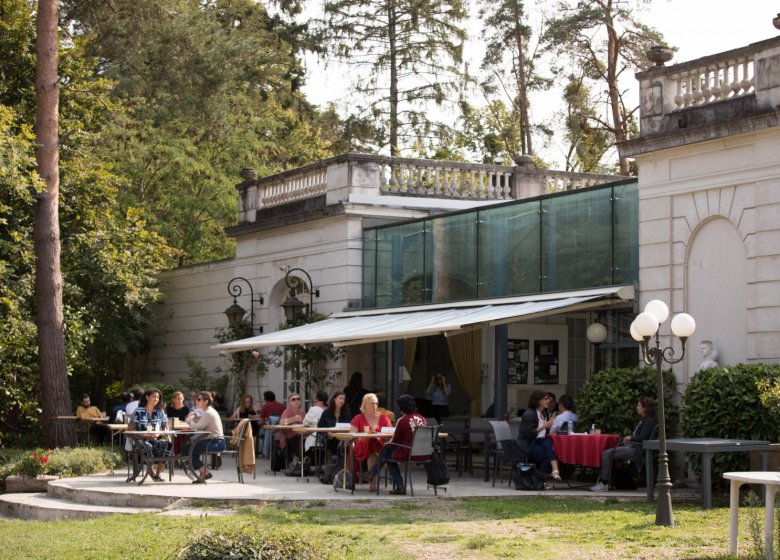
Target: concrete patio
[[106, 494]]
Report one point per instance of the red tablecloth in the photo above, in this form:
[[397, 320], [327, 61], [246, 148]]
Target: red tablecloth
[[582, 449]]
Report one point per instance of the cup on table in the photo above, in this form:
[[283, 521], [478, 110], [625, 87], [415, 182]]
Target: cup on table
[[171, 423], [148, 427], [367, 429], [597, 432]]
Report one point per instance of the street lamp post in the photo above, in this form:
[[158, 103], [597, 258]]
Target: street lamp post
[[235, 313], [596, 334], [645, 326], [293, 307]]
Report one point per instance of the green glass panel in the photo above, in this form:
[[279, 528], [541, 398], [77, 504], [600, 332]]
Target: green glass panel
[[369, 268], [454, 257], [509, 255], [626, 225], [577, 240]]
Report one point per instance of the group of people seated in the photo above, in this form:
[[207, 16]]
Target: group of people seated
[[544, 416]]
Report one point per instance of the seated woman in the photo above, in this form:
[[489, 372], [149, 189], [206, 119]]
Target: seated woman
[[289, 440], [370, 421], [566, 414], [247, 410], [150, 413], [533, 434], [631, 447], [404, 432], [336, 413], [204, 418]]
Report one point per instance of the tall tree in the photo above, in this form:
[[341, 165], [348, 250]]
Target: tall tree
[[587, 145], [509, 62], [407, 54], [205, 88], [605, 39], [55, 396]]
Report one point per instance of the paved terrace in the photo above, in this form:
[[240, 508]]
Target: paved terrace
[[105, 494]]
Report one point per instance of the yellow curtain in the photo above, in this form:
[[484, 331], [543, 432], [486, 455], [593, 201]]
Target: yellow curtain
[[410, 347], [466, 355]]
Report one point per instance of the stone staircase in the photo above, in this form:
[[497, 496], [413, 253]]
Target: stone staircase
[[62, 501]]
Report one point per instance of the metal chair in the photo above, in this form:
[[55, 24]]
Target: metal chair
[[458, 443], [504, 449], [422, 446], [236, 445]]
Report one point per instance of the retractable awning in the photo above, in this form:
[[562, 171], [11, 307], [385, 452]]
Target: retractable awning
[[377, 325]]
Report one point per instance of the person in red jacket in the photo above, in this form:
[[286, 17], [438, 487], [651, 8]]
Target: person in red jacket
[[404, 432]]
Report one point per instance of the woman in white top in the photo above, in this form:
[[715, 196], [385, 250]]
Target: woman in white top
[[566, 414], [312, 417], [204, 418]]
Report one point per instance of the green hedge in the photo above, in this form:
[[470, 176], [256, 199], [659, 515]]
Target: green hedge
[[609, 399], [726, 402]]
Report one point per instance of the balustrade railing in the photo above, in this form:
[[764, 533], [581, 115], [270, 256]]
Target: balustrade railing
[[714, 81], [407, 177]]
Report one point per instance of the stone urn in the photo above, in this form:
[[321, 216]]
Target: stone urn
[[20, 484], [776, 21], [659, 54]]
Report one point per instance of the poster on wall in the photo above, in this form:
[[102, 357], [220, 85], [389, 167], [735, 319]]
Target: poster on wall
[[517, 356], [546, 362]]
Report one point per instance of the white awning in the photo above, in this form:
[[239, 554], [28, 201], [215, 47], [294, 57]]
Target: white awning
[[379, 325]]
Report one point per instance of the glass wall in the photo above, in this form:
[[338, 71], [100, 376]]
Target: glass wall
[[566, 241]]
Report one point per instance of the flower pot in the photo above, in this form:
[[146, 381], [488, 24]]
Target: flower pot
[[19, 484]]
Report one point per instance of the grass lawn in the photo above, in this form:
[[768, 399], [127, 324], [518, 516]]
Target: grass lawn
[[479, 528]]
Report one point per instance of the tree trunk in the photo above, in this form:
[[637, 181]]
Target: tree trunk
[[394, 151], [522, 85], [614, 93], [55, 395]]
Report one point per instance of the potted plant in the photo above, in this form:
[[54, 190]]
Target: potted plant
[[30, 473]]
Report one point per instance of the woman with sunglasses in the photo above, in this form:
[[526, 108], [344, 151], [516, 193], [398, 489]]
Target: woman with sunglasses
[[205, 419], [289, 440]]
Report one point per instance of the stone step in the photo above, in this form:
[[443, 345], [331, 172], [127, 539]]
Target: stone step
[[98, 490], [42, 506]]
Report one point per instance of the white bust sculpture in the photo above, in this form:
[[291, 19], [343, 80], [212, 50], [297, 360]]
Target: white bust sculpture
[[709, 355]]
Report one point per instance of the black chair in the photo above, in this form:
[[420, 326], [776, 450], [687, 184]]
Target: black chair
[[422, 446], [637, 464], [142, 458], [458, 443]]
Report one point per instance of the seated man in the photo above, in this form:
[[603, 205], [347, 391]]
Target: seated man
[[269, 414], [404, 433], [98, 430]]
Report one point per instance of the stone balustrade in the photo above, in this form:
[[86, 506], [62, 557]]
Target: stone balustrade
[[693, 93], [338, 177]]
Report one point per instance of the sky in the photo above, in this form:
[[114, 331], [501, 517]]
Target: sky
[[696, 27]]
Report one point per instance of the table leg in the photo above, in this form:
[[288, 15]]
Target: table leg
[[302, 439], [769, 521], [649, 475], [706, 479], [486, 456], [734, 515]]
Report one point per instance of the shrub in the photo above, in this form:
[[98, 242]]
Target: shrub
[[247, 544], [609, 398], [726, 402], [63, 462]]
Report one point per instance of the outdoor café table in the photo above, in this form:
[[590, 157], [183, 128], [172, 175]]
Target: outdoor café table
[[707, 447], [582, 449], [278, 428], [768, 479], [145, 434], [350, 438], [116, 429], [306, 430], [87, 420]]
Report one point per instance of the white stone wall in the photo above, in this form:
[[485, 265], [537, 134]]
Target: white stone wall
[[709, 237]]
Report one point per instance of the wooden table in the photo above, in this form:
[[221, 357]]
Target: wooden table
[[279, 428], [707, 447], [582, 449], [307, 430], [770, 480], [87, 420], [351, 438]]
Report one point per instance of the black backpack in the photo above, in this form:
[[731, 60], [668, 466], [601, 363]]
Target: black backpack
[[437, 470], [331, 468], [527, 477]]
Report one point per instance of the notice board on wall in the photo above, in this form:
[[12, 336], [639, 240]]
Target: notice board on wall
[[517, 356]]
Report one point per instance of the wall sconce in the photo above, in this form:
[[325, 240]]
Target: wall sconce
[[293, 307], [235, 313]]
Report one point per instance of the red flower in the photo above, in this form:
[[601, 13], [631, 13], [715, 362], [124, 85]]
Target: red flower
[[35, 454], [44, 460]]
